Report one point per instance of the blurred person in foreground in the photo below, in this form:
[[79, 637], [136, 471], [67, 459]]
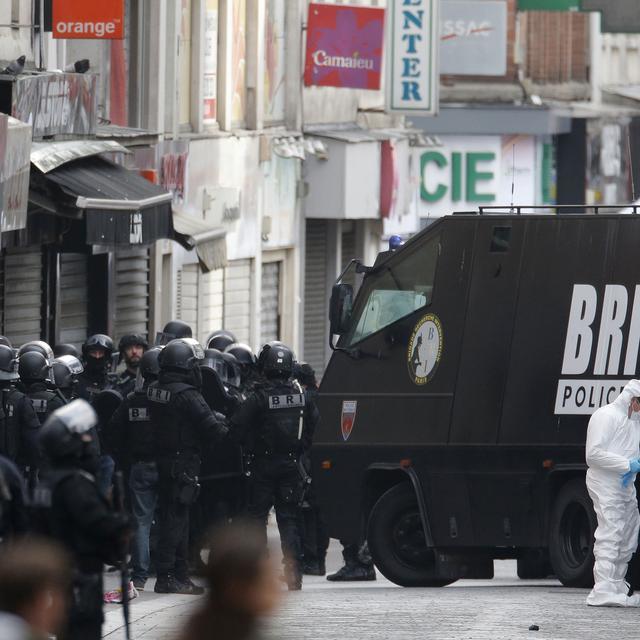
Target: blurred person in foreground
[[243, 586], [34, 582]]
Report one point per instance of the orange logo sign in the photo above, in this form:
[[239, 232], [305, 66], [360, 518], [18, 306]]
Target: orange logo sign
[[91, 20]]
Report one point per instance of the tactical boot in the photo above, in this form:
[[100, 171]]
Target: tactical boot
[[190, 587], [353, 573], [314, 569], [170, 584]]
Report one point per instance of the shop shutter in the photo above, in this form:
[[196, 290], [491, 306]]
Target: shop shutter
[[270, 302], [237, 299], [211, 302], [187, 296], [132, 292], [316, 298], [23, 295], [73, 319]]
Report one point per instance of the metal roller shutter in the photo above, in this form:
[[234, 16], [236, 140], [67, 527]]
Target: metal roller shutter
[[270, 302], [23, 296], [132, 292], [237, 299], [73, 320], [316, 298], [187, 296], [211, 309]]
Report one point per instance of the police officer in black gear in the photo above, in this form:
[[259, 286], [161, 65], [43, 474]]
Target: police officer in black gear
[[79, 516], [183, 424], [173, 330], [38, 346], [19, 424], [131, 436], [65, 371], [131, 348], [6, 342], [279, 420], [65, 349], [35, 373], [96, 378], [220, 339], [97, 352], [247, 361]]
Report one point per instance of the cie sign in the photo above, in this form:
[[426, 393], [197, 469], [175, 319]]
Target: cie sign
[[88, 19]]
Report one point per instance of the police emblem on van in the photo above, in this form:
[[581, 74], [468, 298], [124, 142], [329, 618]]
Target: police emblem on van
[[348, 417], [425, 349]]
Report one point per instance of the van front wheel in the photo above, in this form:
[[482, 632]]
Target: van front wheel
[[397, 543]]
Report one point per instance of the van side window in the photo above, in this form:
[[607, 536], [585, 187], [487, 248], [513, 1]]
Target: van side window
[[396, 290], [500, 240]]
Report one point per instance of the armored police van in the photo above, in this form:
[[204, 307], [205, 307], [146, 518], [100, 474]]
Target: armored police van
[[456, 402]]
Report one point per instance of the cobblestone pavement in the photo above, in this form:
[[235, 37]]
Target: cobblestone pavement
[[502, 608]]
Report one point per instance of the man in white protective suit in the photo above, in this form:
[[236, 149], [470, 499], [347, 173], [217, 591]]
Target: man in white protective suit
[[612, 451]]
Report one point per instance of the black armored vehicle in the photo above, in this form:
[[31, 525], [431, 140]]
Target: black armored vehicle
[[456, 402]]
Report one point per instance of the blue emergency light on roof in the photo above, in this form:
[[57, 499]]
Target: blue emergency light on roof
[[395, 242]]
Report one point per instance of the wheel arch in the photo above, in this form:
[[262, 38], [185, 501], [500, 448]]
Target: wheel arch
[[557, 478], [380, 477]]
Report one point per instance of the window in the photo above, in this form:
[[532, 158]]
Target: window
[[500, 240], [239, 62], [184, 63], [274, 63], [396, 290], [210, 78]]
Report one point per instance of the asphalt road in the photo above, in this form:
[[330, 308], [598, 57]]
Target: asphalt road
[[502, 608]]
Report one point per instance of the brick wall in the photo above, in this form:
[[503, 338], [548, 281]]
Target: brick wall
[[556, 46]]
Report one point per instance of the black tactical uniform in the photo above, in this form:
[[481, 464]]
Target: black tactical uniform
[[183, 424], [280, 421], [126, 381], [19, 424], [34, 372], [65, 370], [79, 516], [13, 501], [96, 377]]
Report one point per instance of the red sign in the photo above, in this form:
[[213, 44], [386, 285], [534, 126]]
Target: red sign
[[344, 46], [88, 19], [348, 417]]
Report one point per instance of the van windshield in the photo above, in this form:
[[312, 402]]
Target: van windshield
[[395, 291]]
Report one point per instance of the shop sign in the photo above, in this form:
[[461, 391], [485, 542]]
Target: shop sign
[[473, 38], [549, 5], [344, 46], [412, 54], [88, 20]]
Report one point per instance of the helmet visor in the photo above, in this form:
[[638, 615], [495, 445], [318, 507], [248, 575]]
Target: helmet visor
[[78, 416]]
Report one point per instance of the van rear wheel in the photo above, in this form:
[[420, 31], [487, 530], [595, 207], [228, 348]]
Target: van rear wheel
[[397, 543], [572, 527]]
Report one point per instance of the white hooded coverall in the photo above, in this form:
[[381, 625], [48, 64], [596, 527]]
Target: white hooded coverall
[[613, 439]]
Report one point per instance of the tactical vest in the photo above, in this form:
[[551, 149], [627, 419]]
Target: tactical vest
[[283, 419], [44, 403], [140, 427], [168, 422]]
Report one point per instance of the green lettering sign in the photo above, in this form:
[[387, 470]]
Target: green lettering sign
[[549, 5], [439, 160], [474, 176]]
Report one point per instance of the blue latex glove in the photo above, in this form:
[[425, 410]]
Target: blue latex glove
[[634, 467]]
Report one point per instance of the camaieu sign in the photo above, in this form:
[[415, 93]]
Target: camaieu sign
[[344, 46], [88, 19]]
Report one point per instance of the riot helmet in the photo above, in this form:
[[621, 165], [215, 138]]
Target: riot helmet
[[98, 342], [234, 371], [6, 342], [276, 361], [65, 371], [33, 367], [182, 355], [8, 364], [243, 353], [265, 350], [172, 331], [65, 349], [149, 368], [220, 340], [214, 360], [66, 433], [37, 346]]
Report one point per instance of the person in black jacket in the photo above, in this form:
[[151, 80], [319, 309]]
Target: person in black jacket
[[35, 374], [131, 347], [19, 424], [183, 425], [130, 434], [279, 420], [79, 516]]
